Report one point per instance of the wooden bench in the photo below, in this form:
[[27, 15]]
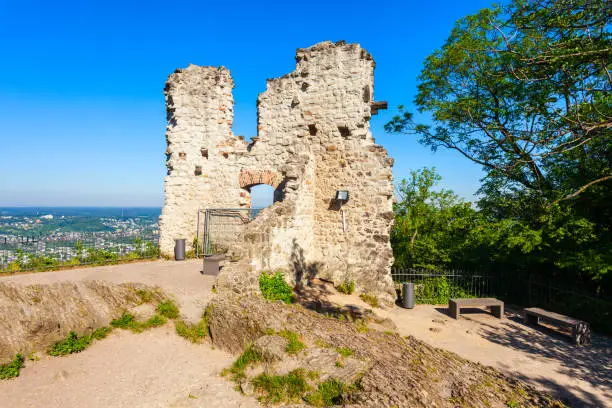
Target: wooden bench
[[455, 306], [581, 332]]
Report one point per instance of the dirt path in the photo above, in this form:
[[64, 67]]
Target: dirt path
[[543, 358], [156, 368]]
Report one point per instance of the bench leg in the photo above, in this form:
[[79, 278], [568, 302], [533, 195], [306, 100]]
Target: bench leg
[[498, 311], [581, 334], [453, 309], [531, 319]]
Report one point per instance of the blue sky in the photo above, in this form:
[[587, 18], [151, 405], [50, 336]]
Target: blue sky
[[82, 115]]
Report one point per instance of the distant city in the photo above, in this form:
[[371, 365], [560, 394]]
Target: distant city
[[52, 236]]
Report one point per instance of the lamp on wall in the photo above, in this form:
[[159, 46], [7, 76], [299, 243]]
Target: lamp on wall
[[342, 196]]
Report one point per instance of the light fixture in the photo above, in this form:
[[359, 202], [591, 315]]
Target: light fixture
[[342, 196]]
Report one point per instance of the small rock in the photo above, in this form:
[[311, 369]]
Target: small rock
[[271, 347], [247, 387]]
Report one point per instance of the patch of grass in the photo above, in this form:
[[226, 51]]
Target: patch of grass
[[274, 287], [322, 344], [71, 344], [363, 328], [11, 370], [370, 299], [347, 287], [282, 388], [328, 393], [344, 351], [168, 309], [248, 357], [195, 333], [295, 345], [127, 321], [101, 333]]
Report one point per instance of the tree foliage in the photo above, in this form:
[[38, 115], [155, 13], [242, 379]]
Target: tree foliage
[[524, 91]]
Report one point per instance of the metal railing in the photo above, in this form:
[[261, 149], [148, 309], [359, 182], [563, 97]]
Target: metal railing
[[436, 287], [219, 228], [40, 252]]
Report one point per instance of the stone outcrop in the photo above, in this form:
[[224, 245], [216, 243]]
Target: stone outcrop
[[313, 139], [395, 371], [33, 317]]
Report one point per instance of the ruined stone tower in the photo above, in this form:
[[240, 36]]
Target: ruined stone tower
[[313, 139]]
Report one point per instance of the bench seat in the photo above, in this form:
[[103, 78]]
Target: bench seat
[[496, 306], [581, 331]]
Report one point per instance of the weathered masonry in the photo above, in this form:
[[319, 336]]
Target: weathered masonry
[[313, 139]]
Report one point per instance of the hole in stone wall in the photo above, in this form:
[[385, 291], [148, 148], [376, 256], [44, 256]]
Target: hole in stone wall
[[366, 94], [262, 196], [182, 155], [312, 129], [225, 155], [305, 86], [344, 131], [198, 171], [204, 153]]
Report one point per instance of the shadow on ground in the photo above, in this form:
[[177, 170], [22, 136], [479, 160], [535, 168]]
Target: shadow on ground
[[592, 364]]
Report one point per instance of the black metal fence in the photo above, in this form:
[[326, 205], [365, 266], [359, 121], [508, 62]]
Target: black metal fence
[[436, 287], [522, 289], [40, 252]]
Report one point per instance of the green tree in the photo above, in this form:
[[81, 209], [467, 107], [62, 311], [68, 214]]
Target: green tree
[[524, 91]]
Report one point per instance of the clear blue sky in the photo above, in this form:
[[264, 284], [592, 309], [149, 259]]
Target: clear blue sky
[[82, 115]]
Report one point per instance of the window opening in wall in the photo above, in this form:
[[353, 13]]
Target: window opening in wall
[[262, 196]]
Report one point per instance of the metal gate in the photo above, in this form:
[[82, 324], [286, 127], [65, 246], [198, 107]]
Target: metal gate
[[219, 228]]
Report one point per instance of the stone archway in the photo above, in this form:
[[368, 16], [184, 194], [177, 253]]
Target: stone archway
[[249, 178]]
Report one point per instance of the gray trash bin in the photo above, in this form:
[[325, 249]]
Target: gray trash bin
[[408, 295], [179, 249]]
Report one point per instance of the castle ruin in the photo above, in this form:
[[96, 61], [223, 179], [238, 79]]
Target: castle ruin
[[313, 139]]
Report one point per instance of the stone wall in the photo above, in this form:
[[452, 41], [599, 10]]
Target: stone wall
[[313, 139]]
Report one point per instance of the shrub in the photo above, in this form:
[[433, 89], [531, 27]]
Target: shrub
[[71, 344], [168, 309], [438, 290], [347, 287], [11, 370], [274, 287], [370, 299], [282, 388]]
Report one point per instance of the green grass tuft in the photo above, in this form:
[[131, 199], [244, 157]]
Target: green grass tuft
[[328, 393], [195, 333], [370, 299], [11, 370], [347, 287], [127, 321], [71, 344], [168, 309], [248, 357], [282, 388], [344, 351], [295, 345], [101, 333]]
